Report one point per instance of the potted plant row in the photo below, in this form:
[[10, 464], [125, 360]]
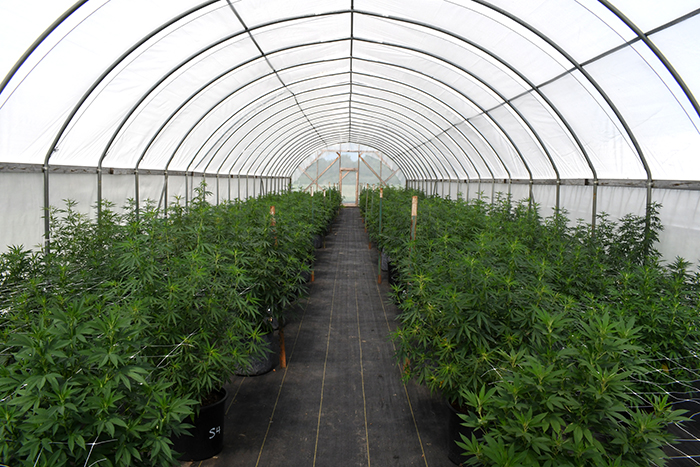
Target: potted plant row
[[132, 324], [527, 327]]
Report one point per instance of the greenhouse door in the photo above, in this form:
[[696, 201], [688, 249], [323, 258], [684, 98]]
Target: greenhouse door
[[349, 186], [334, 169]]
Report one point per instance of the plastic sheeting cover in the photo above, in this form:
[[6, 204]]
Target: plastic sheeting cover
[[542, 89]]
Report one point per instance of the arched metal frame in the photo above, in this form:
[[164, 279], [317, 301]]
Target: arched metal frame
[[270, 53], [382, 119], [436, 157], [483, 110], [271, 157], [38, 42], [184, 104], [392, 135], [200, 120], [281, 172], [233, 165], [414, 101], [295, 162]]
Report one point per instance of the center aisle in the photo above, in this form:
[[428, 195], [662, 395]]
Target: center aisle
[[340, 401]]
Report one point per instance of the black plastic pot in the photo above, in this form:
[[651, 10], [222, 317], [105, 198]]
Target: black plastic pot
[[207, 438], [455, 429], [391, 273], [306, 276], [385, 261], [317, 240], [265, 364], [688, 402]]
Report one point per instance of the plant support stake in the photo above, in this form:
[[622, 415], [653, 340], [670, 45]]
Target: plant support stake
[[371, 209], [414, 216], [379, 233], [283, 354], [273, 223], [366, 205]]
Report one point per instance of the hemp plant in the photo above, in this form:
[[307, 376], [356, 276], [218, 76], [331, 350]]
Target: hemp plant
[[196, 295], [75, 380], [569, 402], [539, 333]]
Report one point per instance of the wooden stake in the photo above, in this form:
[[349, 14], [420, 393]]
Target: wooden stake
[[366, 205], [414, 216], [379, 252], [283, 353], [273, 223], [312, 275]]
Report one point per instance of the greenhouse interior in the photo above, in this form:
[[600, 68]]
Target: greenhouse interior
[[349, 232]]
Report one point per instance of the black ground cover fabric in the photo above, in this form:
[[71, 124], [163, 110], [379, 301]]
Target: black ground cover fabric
[[340, 401]]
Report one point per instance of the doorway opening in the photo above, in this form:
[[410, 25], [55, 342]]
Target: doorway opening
[[349, 168]]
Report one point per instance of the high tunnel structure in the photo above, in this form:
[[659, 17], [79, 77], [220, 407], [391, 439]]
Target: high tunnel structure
[[583, 105]]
